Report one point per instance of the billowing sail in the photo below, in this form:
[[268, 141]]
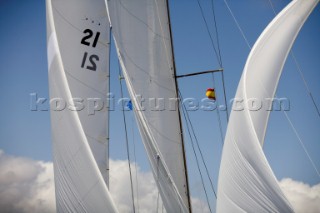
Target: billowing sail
[[142, 36], [78, 48], [246, 181]]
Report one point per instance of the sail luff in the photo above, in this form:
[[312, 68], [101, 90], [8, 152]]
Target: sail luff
[[246, 181], [141, 33], [154, 152], [179, 113], [79, 183]]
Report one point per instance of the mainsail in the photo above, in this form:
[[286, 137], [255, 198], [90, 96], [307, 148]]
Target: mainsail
[[143, 40], [246, 181], [78, 49]]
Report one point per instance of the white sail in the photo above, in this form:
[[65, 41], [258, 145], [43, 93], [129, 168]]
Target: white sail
[[78, 48], [246, 181], [142, 36]]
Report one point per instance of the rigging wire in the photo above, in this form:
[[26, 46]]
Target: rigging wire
[[216, 30], [190, 126], [158, 202], [158, 181], [237, 23], [209, 33], [299, 69], [305, 82], [127, 141], [197, 161], [311, 96], [135, 165], [218, 114], [302, 144], [286, 114], [217, 49]]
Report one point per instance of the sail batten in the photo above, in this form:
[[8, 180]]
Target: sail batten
[[142, 38], [246, 181]]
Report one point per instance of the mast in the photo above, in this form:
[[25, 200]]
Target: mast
[[108, 124], [177, 95]]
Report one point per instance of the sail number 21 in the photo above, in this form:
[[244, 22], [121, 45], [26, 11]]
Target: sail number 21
[[92, 58]]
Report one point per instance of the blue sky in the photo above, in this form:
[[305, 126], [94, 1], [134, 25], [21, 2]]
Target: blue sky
[[23, 70]]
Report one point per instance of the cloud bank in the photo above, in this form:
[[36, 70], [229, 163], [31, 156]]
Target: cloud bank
[[27, 186], [304, 198]]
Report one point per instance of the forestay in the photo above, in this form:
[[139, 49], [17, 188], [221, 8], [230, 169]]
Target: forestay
[[142, 36], [246, 181], [78, 48]]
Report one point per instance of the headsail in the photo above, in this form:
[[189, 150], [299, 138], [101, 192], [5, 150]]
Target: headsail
[[246, 181], [78, 48], [142, 36]]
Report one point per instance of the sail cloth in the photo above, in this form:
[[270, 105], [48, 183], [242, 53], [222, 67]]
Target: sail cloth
[[246, 181], [142, 37], [78, 48]]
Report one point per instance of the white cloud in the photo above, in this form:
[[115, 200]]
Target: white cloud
[[121, 192], [27, 186], [304, 198], [199, 206], [147, 190]]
